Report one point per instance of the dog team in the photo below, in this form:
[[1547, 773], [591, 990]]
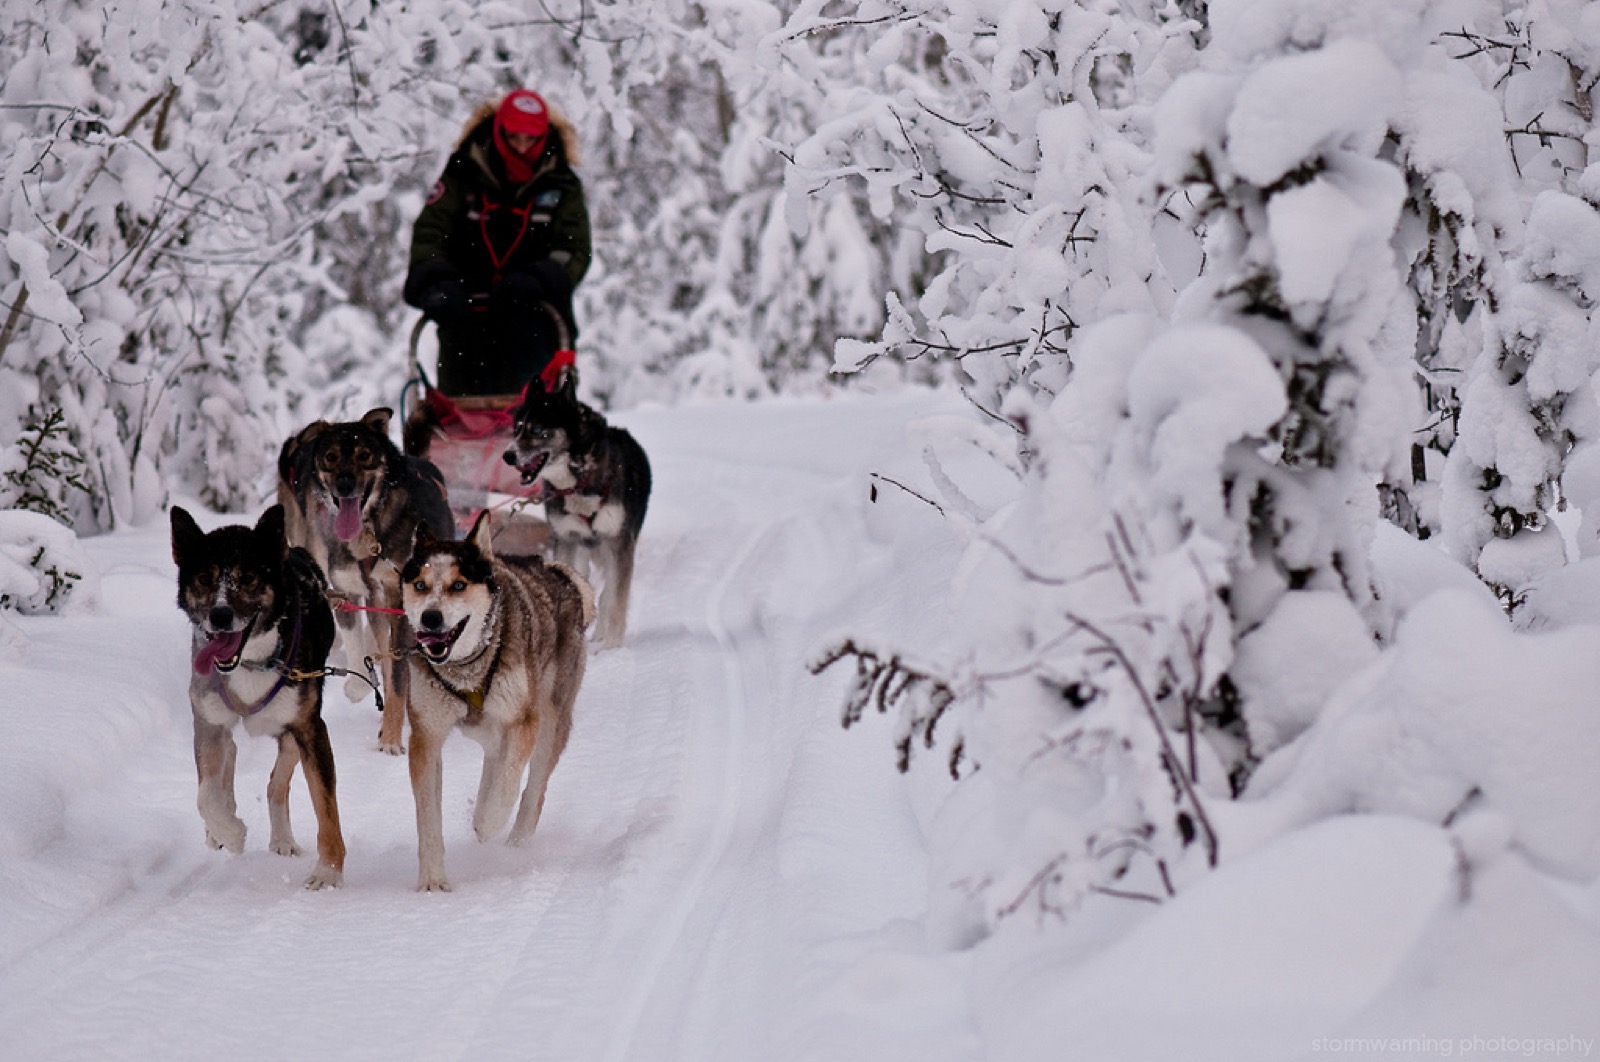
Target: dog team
[[360, 550]]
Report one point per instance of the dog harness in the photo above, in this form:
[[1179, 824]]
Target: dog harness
[[285, 676], [473, 698]]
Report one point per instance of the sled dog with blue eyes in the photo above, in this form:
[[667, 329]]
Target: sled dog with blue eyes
[[499, 653], [594, 480]]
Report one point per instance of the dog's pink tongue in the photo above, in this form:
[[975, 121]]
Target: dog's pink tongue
[[219, 647], [347, 525]]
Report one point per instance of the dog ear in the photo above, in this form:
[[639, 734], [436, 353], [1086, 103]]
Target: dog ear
[[271, 522], [378, 420], [187, 538], [270, 528], [590, 427], [482, 535], [423, 541], [305, 437], [286, 455]]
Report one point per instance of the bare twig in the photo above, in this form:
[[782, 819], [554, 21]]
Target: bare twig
[[10, 327], [1114, 649], [896, 483], [883, 683]]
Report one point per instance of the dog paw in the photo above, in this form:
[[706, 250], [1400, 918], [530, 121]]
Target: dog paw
[[325, 877], [393, 748], [285, 847], [356, 689], [229, 836], [433, 885], [601, 639]]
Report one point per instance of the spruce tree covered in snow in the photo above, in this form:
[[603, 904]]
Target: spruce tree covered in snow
[[42, 470]]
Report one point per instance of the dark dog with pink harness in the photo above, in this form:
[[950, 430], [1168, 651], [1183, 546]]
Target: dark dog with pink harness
[[355, 502]]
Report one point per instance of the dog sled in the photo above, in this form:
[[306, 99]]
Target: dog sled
[[466, 437], [591, 479]]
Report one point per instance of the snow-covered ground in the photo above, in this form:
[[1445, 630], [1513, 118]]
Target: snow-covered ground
[[722, 873]]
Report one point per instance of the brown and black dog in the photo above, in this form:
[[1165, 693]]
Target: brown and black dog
[[262, 628], [356, 503]]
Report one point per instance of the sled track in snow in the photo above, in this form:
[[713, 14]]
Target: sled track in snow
[[730, 725]]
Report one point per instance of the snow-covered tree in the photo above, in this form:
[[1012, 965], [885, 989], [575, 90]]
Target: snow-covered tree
[[1089, 633], [1530, 403], [1295, 213], [170, 168], [1526, 405], [1010, 140], [207, 212]]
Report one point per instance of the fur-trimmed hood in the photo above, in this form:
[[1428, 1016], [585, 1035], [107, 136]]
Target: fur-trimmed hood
[[560, 127]]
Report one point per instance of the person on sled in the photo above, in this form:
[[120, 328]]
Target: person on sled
[[501, 243]]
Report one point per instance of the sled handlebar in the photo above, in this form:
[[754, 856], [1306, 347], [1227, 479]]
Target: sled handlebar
[[563, 336]]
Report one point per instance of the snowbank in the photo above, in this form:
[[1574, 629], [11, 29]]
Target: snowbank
[[1464, 714]]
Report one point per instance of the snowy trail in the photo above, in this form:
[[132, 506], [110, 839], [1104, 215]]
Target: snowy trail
[[660, 912], [723, 795], [722, 873]]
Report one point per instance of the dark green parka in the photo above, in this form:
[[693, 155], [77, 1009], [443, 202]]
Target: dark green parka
[[478, 228]]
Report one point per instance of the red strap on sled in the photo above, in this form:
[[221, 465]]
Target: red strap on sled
[[475, 424], [550, 375], [470, 424]]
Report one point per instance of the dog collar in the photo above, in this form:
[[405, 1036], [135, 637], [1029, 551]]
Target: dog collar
[[475, 697]]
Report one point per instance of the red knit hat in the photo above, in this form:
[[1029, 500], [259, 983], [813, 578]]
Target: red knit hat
[[522, 111]]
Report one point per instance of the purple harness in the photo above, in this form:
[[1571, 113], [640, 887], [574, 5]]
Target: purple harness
[[220, 686]]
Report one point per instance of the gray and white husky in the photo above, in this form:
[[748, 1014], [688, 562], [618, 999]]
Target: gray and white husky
[[500, 654], [594, 480]]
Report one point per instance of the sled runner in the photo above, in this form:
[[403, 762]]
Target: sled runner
[[467, 436]]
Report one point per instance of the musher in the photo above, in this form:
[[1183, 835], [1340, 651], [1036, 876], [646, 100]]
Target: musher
[[502, 241]]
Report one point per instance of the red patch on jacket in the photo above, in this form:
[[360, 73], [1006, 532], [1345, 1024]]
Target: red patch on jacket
[[436, 192]]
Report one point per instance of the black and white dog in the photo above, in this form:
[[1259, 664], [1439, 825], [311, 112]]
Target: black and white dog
[[594, 480], [262, 629]]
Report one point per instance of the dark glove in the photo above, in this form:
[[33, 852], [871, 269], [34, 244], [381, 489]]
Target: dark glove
[[519, 293], [446, 302], [539, 282], [435, 287]]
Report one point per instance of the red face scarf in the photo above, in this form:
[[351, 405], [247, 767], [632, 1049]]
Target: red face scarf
[[522, 111]]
